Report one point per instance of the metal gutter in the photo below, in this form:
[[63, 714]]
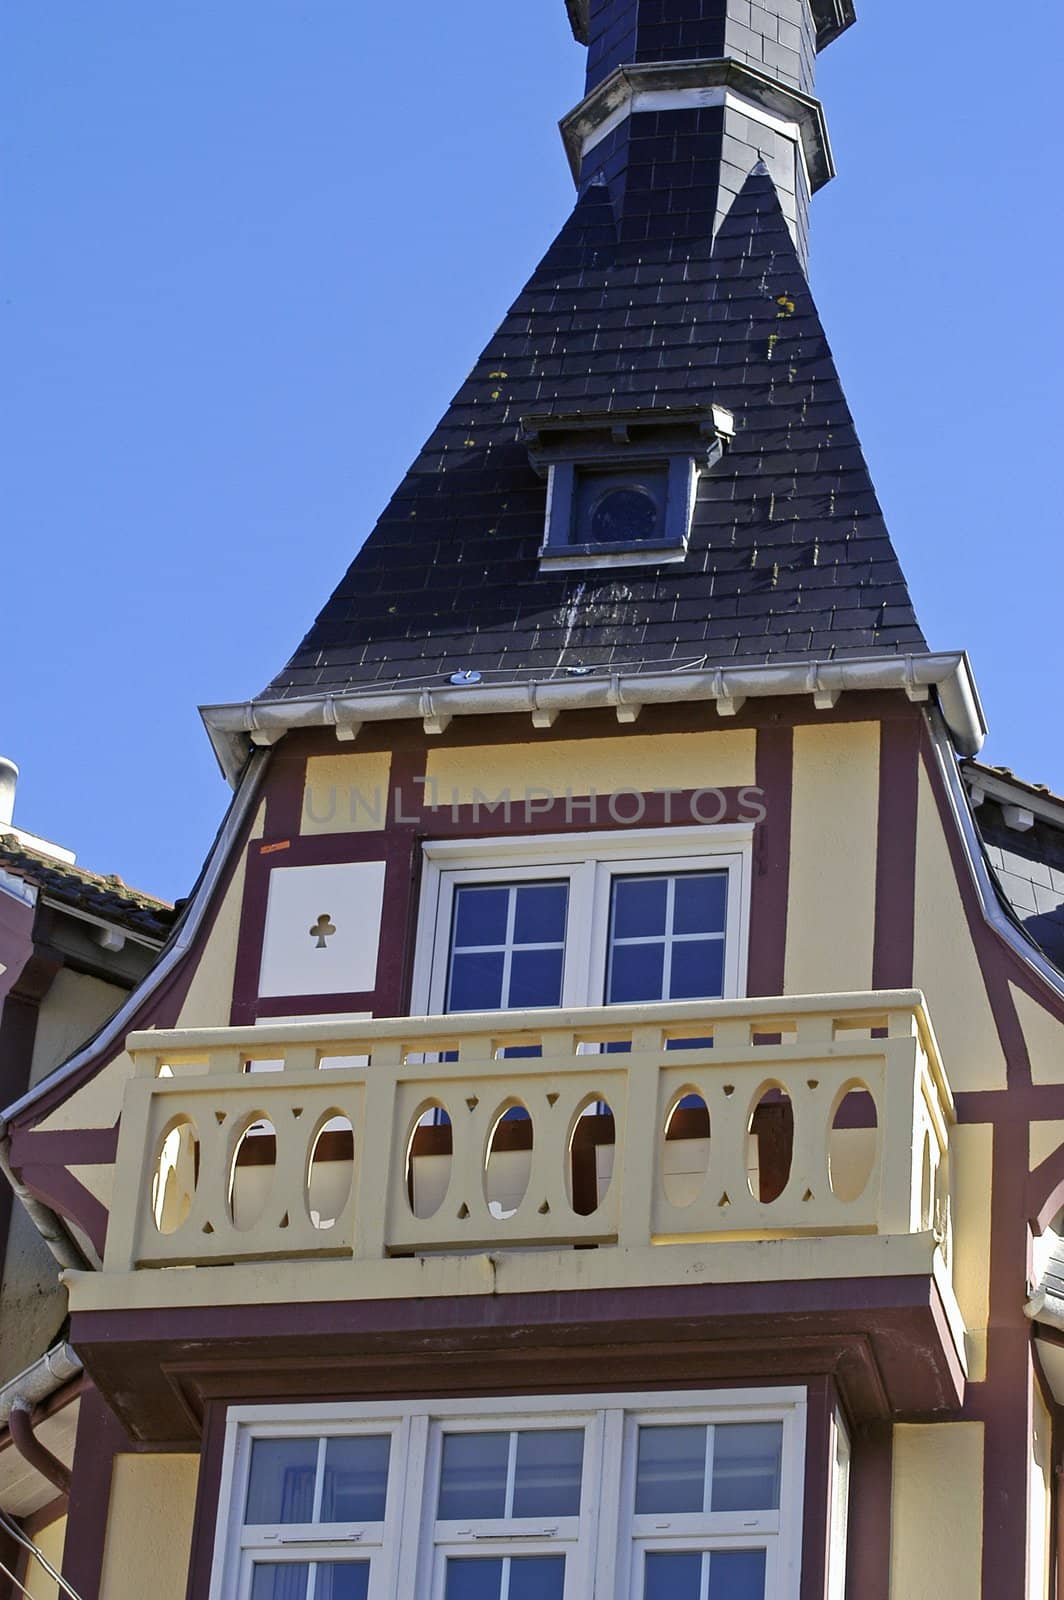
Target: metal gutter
[[115, 1029], [235, 728], [55, 1369]]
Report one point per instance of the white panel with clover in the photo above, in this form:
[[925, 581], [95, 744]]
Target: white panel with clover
[[322, 929]]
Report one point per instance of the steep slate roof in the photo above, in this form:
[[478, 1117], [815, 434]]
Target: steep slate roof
[[1028, 864], [69, 885], [789, 555]]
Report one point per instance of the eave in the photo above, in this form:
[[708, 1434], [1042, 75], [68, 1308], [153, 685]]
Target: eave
[[237, 728]]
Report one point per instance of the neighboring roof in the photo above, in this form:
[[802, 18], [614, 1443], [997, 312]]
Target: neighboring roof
[[1027, 861], [789, 556], [107, 898]]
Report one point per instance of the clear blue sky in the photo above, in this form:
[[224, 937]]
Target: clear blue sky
[[253, 246]]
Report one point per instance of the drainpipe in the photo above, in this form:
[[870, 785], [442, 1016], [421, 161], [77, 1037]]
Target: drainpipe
[[52, 1230], [30, 1448], [19, 1399]]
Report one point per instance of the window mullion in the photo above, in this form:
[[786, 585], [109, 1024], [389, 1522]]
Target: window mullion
[[319, 1480], [707, 1490], [511, 1475], [412, 1511], [508, 947], [703, 1592], [606, 1489], [670, 922]]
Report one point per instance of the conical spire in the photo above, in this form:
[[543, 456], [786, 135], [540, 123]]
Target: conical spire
[[788, 556]]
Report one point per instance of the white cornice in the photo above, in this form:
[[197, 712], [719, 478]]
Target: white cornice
[[663, 85], [235, 728]]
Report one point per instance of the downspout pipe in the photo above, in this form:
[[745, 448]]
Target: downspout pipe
[[30, 1448], [20, 1398]]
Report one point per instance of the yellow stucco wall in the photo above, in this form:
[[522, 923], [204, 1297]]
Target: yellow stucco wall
[[149, 1527], [346, 793], [834, 810], [70, 1013], [971, 1157], [210, 994], [717, 760], [1041, 1499], [50, 1543], [1044, 1037], [945, 965], [937, 1512]]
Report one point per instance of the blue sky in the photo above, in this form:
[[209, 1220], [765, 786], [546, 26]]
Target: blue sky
[[251, 249]]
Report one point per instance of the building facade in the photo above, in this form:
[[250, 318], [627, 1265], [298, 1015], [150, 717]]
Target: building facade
[[73, 945], [597, 1128]]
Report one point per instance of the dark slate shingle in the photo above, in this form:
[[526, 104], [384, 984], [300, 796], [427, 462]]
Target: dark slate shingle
[[789, 554]]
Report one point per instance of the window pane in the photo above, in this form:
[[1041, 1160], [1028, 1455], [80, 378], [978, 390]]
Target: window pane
[[356, 1480], [737, 1575], [342, 1580], [473, 1578], [697, 969], [539, 917], [276, 1580], [671, 1470], [281, 1483], [535, 978], [480, 915], [537, 1578], [473, 1475], [636, 972], [701, 901], [547, 1481], [639, 907], [673, 1576], [746, 1466], [476, 982]]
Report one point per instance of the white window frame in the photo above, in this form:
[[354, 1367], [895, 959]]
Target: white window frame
[[590, 862], [603, 1549], [302, 1543]]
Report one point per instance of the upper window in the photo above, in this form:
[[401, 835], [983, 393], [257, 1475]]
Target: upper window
[[658, 1497], [621, 486], [583, 921]]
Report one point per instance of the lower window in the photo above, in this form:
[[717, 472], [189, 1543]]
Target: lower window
[[652, 1497]]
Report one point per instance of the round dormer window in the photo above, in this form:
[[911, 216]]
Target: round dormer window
[[625, 514]]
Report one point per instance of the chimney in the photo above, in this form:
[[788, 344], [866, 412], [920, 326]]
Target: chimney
[[685, 97], [8, 785]]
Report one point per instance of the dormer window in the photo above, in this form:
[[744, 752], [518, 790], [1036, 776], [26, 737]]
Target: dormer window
[[621, 485]]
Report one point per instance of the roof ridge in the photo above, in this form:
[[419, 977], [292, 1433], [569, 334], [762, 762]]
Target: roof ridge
[[11, 847]]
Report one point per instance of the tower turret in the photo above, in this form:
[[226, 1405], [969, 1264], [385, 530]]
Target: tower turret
[[685, 97]]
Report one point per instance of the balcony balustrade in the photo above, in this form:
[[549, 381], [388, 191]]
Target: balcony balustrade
[[630, 1126]]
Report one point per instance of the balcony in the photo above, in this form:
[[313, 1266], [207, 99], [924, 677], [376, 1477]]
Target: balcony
[[639, 1128]]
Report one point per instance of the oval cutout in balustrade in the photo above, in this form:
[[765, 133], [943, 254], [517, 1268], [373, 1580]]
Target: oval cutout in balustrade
[[927, 1185], [252, 1172], [429, 1155], [685, 1157], [175, 1173], [770, 1151], [589, 1169], [330, 1171], [508, 1160], [852, 1143]]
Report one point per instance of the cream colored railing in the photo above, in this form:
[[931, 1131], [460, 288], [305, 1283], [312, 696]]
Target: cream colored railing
[[714, 1119]]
